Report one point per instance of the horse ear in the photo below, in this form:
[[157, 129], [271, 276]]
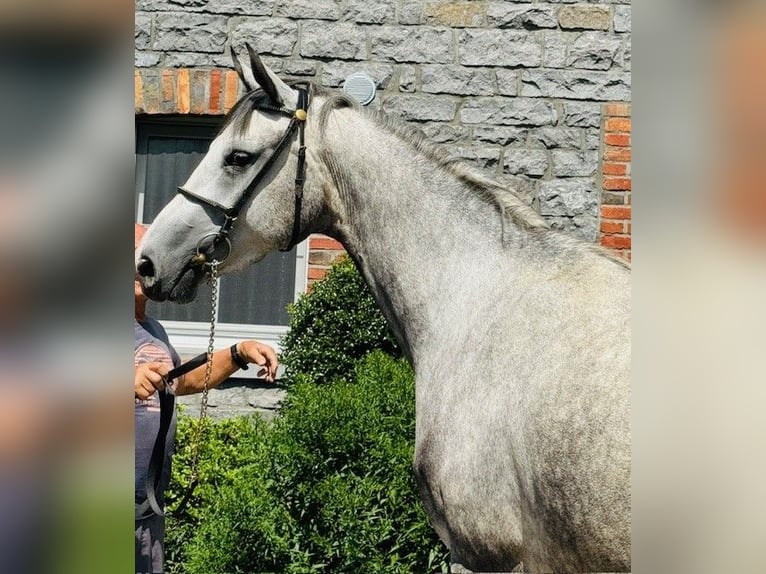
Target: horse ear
[[279, 93], [244, 74]]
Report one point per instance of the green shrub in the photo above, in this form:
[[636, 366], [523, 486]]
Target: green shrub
[[226, 446], [335, 493], [333, 326]]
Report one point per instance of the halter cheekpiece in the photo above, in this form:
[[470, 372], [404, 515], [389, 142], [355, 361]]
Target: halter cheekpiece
[[217, 245]]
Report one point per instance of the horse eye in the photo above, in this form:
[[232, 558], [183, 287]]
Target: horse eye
[[238, 159]]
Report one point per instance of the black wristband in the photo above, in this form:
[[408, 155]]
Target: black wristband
[[237, 358]]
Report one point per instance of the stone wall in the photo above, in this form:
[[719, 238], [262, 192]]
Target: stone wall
[[517, 88]]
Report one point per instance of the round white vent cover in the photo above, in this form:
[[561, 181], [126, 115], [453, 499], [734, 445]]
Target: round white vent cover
[[361, 87]]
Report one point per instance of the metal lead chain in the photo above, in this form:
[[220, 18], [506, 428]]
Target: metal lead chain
[[198, 435]]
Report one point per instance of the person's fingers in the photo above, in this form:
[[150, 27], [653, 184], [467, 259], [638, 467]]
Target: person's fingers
[[155, 373], [160, 368]]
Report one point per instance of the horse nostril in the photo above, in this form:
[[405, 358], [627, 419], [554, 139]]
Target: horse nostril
[[145, 267]]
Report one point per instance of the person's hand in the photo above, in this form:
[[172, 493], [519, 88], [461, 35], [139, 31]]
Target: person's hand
[[149, 379], [260, 354]]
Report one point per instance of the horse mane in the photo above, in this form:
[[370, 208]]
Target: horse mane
[[508, 203]]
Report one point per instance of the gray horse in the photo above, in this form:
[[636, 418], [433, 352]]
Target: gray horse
[[519, 335]]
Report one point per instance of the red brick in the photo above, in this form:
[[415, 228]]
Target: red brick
[[612, 227], [619, 140], [199, 83], [622, 110], [231, 90], [619, 154], [168, 87], [615, 211], [184, 93], [320, 242], [616, 241], [615, 169], [620, 125], [616, 183], [316, 273], [214, 105], [138, 92]]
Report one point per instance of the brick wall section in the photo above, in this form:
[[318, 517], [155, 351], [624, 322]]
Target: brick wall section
[[516, 89], [615, 227], [322, 252]]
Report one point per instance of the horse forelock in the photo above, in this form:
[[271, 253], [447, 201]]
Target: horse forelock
[[240, 114]]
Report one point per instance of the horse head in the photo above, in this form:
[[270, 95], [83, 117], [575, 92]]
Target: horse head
[[245, 199]]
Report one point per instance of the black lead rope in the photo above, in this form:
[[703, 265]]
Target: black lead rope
[[167, 399]]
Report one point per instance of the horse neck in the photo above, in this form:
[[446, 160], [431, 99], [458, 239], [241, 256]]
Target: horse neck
[[416, 232]]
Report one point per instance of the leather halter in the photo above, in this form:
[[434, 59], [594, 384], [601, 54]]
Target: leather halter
[[208, 245]]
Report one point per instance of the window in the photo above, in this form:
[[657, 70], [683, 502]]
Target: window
[[252, 303]]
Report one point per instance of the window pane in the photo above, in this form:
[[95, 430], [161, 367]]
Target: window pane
[[260, 294], [168, 163]]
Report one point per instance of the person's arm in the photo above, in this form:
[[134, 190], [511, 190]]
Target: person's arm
[[224, 366]]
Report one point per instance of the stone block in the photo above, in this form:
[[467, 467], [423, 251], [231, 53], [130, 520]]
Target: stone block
[[568, 197], [498, 48], [500, 135], [622, 18], [456, 80], [249, 8], [485, 159], [146, 59], [592, 138], [366, 12], [593, 51], [572, 163], [420, 108], [410, 12], [309, 9], [525, 16], [407, 78], [584, 226], [299, 68], [576, 85], [455, 14], [335, 73], [446, 133], [276, 36], [585, 17], [343, 41], [508, 111], [582, 115], [183, 32], [142, 35], [555, 138], [626, 55], [412, 44], [507, 82], [530, 162], [555, 45]]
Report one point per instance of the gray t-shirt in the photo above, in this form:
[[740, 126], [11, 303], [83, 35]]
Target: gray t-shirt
[[152, 345]]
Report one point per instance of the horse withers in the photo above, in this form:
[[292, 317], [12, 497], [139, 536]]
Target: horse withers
[[519, 335]]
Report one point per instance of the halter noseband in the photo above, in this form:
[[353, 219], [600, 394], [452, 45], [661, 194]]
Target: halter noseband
[[207, 246]]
